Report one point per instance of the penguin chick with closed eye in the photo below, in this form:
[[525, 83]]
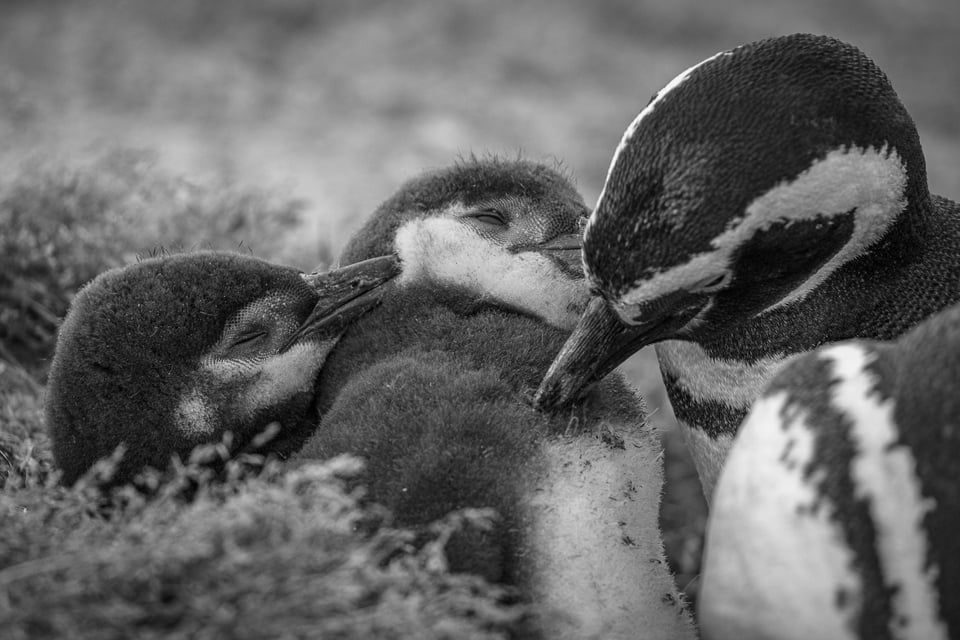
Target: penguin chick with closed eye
[[172, 352], [431, 389]]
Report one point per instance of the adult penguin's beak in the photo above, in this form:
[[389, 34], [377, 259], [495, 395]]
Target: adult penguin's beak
[[598, 344]]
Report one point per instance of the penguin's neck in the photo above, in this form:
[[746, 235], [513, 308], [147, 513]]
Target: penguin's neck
[[713, 381]]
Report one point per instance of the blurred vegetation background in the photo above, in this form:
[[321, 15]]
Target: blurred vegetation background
[[276, 127]]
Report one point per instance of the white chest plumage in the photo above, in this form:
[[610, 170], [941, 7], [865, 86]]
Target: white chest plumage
[[598, 556]]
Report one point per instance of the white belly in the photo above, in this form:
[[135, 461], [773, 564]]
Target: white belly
[[596, 554]]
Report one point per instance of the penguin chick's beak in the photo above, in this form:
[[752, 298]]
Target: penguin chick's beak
[[566, 251], [598, 344], [345, 294]]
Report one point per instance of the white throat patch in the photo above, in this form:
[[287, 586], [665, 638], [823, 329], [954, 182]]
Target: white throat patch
[[706, 379], [869, 181], [731, 382], [446, 251]]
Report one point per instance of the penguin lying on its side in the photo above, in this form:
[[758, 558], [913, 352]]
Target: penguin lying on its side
[[837, 512], [169, 353], [431, 389]]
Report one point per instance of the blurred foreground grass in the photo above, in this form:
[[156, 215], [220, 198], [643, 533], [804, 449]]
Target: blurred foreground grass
[[277, 126], [255, 554]]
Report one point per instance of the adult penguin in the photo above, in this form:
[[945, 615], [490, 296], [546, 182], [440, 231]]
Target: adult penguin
[[837, 510], [768, 200]]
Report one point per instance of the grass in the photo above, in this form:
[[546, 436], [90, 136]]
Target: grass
[[291, 120], [255, 554]]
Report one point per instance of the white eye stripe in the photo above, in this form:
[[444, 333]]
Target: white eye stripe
[[677, 278], [869, 181]]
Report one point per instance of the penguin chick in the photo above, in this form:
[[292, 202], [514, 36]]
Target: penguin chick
[[768, 200], [837, 511], [172, 352], [430, 388], [499, 230]]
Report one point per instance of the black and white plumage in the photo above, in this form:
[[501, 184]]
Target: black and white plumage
[[172, 352], [836, 514], [431, 389], [769, 200]]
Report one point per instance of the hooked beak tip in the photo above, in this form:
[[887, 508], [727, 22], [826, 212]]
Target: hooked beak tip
[[581, 360], [598, 344], [555, 393]]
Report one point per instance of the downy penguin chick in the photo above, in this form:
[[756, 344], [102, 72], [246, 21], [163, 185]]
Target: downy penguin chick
[[430, 388], [769, 200], [836, 514], [172, 352]]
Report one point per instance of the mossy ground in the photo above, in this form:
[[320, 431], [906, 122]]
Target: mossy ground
[[251, 554]]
